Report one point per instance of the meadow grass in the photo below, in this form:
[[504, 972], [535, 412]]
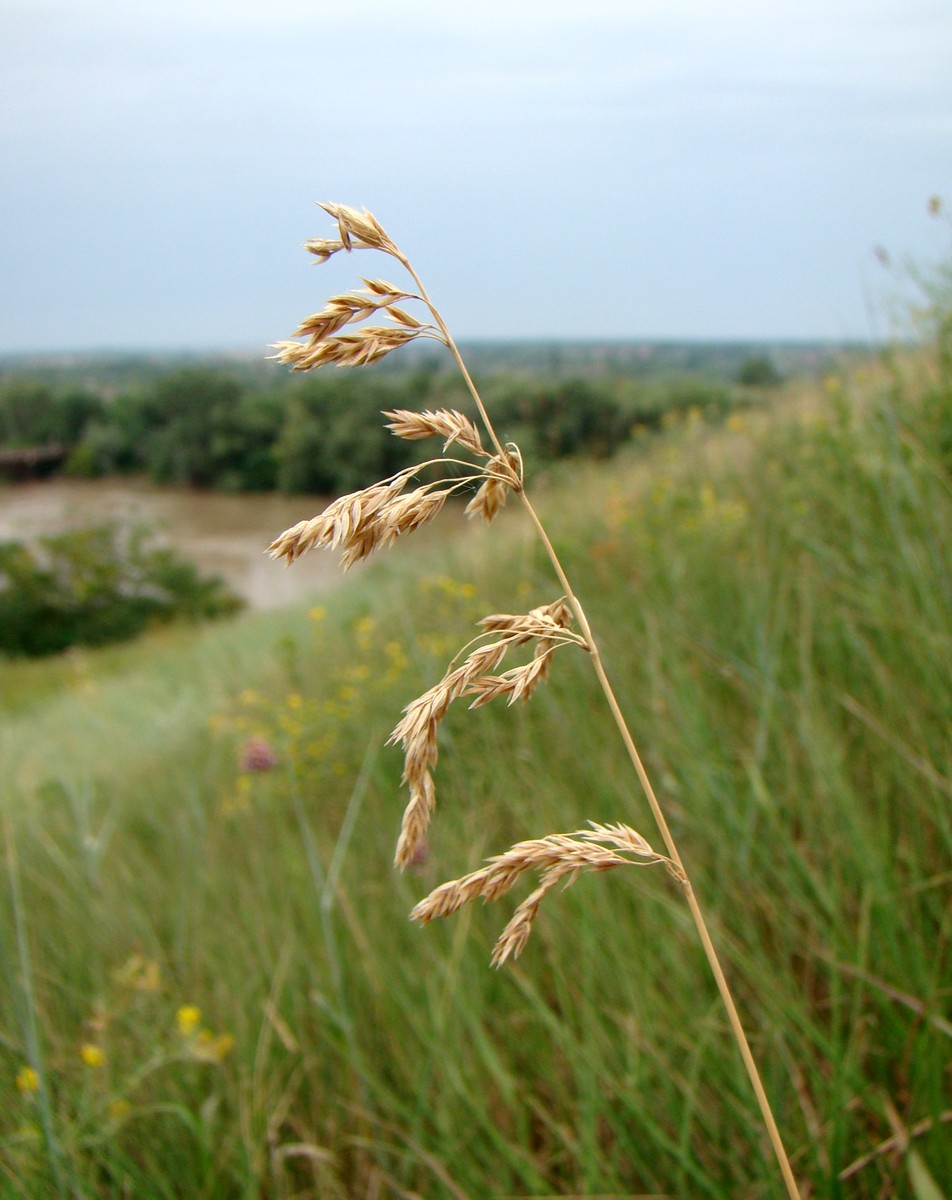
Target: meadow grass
[[210, 987]]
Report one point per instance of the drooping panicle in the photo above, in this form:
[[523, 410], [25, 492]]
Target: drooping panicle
[[360, 522], [418, 729], [558, 858], [503, 474], [446, 423]]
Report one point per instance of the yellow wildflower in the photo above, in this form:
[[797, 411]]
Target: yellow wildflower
[[28, 1081], [187, 1018], [92, 1055]]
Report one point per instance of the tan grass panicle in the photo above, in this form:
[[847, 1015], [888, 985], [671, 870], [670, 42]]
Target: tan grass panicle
[[361, 521], [418, 729], [446, 423], [503, 474], [558, 858]]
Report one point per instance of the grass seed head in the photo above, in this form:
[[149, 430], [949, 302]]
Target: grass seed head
[[357, 349], [359, 229], [559, 858], [446, 423], [361, 521], [503, 473], [417, 731]]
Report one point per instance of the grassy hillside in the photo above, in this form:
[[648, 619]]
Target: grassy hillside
[[209, 984]]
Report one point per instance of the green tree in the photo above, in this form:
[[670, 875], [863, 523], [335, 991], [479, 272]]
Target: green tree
[[758, 371], [97, 585], [32, 414]]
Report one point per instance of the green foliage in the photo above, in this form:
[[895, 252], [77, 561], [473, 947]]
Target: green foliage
[[758, 371], [96, 585], [200, 426], [776, 621], [33, 414], [196, 427], [559, 419], [923, 1185], [333, 439]]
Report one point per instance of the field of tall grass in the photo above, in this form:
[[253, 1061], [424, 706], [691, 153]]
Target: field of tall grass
[[208, 983]]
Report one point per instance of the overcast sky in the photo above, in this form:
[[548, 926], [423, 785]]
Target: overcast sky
[[621, 168]]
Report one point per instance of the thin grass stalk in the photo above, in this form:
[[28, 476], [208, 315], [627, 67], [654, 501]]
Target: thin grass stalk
[[697, 915], [361, 230]]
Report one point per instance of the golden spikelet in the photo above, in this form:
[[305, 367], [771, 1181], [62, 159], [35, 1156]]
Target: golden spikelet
[[359, 229], [418, 729], [323, 248], [540, 622], [503, 473], [446, 423], [361, 521], [558, 857], [357, 349], [351, 307]]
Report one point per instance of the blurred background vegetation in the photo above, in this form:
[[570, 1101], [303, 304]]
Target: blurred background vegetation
[[236, 428], [209, 985]]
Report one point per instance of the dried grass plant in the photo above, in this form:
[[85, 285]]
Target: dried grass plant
[[346, 332]]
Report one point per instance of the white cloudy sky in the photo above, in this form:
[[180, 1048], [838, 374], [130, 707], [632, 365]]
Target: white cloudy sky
[[625, 168]]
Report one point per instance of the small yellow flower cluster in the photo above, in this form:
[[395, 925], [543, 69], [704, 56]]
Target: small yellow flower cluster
[[833, 385], [98, 1070], [187, 1019], [453, 589], [397, 662], [240, 800], [444, 595], [202, 1043], [28, 1081], [364, 631], [93, 1056]]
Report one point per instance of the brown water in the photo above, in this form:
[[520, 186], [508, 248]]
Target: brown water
[[223, 534]]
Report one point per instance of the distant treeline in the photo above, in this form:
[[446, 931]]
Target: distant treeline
[[201, 426]]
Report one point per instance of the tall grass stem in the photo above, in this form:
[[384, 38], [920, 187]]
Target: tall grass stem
[[697, 915]]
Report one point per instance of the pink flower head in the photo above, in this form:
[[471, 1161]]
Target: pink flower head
[[257, 755]]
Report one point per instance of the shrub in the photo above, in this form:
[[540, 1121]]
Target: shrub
[[94, 586], [758, 371]]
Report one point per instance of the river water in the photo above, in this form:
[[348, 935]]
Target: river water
[[223, 534]]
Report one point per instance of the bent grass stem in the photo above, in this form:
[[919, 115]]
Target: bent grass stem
[[657, 811], [418, 729]]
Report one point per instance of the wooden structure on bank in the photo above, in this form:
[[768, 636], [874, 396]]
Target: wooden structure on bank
[[29, 462]]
